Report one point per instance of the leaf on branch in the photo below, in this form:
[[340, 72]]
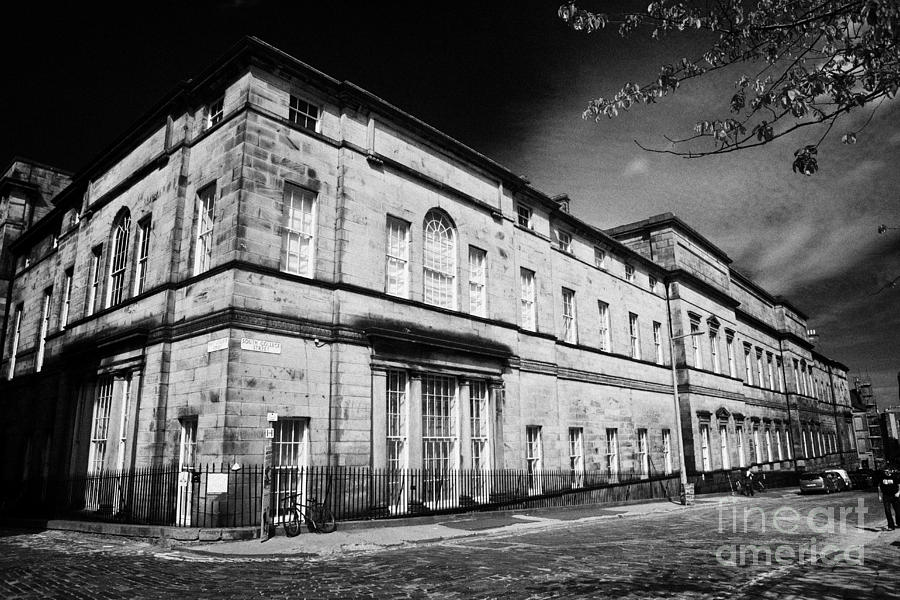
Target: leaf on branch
[[815, 61], [805, 162], [764, 132]]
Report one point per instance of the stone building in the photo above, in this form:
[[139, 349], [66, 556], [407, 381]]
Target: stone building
[[271, 251]]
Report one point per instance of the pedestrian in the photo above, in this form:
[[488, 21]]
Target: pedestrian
[[889, 493], [748, 481]]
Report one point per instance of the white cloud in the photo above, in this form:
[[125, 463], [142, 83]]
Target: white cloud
[[637, 166]]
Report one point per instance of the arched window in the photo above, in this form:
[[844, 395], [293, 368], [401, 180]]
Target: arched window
[[439, 261], [118, 260]]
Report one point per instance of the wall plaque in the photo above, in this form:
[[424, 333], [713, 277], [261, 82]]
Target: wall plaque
[[260, 346], [219, 344]]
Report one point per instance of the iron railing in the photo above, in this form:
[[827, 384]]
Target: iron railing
[[363, 493], [208, 496], [219, 496]]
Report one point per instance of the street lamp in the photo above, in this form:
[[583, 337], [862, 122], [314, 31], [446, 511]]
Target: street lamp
[[883, 228], [672, 338]]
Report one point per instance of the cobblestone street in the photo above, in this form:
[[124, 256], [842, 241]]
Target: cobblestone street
[[698, 552]]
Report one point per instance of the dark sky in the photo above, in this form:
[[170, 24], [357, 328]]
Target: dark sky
[[508, 79]]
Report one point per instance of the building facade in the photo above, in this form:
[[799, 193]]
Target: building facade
[[277, 260]]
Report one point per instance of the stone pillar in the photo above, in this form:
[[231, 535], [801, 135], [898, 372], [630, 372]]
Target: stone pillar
[[496, 405], [414, 426], [379, 419], [464, 425]]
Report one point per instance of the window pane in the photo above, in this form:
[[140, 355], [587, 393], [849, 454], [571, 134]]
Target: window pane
[[299, 230], [439, 262], [204, 227], [477, 282], [526, 284]]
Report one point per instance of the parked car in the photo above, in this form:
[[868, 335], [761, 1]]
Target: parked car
[[862, 479], [844, 475], [826, 482]]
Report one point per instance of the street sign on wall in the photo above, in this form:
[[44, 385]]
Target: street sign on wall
[[215, 345], [254, 345]]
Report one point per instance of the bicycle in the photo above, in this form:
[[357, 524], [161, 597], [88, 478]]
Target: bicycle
[[317, 515], [740, 487]]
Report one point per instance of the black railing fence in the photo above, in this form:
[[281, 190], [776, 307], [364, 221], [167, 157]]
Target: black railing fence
[[209, 496], [220, 496]]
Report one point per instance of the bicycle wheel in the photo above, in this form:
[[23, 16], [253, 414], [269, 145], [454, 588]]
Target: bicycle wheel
[[325, 519], [292, 523]]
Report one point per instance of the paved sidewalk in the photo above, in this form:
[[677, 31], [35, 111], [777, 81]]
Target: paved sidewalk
[[385, 534]]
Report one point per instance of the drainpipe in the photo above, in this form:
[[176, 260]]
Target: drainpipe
[[678, 432]]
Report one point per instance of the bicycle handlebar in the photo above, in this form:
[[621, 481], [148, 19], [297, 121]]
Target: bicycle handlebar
[[309, 500]]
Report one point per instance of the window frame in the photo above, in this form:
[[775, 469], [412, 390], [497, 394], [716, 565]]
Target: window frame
[[534, 457], [16, 337], [600, 258], [187, 446], [396, 415], [714, 351], [724, 450], [729, 351], [102, 405], [629, 272], [778, 444], [440, 243], [440, 430], [657, 342], [757, 449], [204, 228], [477, 281], [612, 453], [66, 302], [695, 344], [576, 456], [604, 330], [527, 299], [302, 115], [748, 366], [142, 255], [759, 368], [397, 254], [526, 213], [642, 452], [705, 457], [667, 451], [117, 279], [634, 332], [779, 367], [479, 425], [215, 111], [95, 271], [295, 200], [44, 329], [739, 434], [570, 323], [564, 241]]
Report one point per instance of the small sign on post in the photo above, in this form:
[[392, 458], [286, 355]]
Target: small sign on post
[[687, 494], [217, 483]]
